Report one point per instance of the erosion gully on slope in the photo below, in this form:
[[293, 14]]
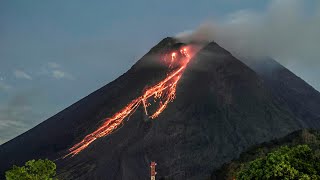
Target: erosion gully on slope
[[162, 93]]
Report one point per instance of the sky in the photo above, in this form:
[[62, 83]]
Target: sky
[[53, 53]]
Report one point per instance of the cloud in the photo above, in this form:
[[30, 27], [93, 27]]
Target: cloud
[[17, 116], [286, 30], [53, 65], [58, 74], [21, 75], [204, 33], [56, 71], [4, 86]]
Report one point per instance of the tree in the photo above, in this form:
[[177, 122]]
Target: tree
[[299, 162], [33, 170]]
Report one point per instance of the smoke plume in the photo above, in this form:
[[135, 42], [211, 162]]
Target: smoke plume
[[287, 30]]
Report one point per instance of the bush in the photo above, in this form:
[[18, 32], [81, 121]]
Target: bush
[[298, 162], [33, 170]]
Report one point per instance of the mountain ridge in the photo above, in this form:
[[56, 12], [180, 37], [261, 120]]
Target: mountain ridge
[[222, 107], [300, 97], [68, 119]]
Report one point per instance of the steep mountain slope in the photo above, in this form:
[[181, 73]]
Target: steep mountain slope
[[293, 92], [225, 108], [222, 107], [60, 131]]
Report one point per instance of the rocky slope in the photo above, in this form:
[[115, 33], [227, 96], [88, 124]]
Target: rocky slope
[[301, 98], [222, 107]]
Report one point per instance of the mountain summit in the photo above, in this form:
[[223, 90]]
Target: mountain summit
[[221, 108]]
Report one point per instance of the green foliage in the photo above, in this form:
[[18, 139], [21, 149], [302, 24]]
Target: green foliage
[[33, 170], [299, 162]]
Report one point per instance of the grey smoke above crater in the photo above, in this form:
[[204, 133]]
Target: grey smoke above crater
[[287, 31]]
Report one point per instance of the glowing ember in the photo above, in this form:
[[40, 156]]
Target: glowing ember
[[173, 55], [164, 92]]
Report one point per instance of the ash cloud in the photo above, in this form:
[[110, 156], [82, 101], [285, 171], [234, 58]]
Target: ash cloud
[[287, 31]]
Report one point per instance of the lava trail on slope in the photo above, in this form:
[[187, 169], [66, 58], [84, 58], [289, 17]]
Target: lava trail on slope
[[162, 93]]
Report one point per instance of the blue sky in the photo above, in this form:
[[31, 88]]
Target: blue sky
[[53, 53]]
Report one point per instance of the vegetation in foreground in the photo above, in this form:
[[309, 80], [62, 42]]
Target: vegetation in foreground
[[299, 162], [33, 170], [295, 156]]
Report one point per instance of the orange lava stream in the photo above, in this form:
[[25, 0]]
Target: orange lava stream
[[165, 90]]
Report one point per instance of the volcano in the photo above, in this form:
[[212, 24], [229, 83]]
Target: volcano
[[301, 98], [212, 110]]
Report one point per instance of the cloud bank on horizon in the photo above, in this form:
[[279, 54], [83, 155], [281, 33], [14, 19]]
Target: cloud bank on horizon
[[286, 30]]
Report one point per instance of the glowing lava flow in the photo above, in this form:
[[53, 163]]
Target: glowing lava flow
[[165, 90]]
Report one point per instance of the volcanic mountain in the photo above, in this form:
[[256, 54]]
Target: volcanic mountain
[[301, 98], [220, 108]]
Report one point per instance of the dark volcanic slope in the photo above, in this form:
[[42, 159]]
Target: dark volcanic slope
[[62, 130], [222, 107], [293, 92]]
